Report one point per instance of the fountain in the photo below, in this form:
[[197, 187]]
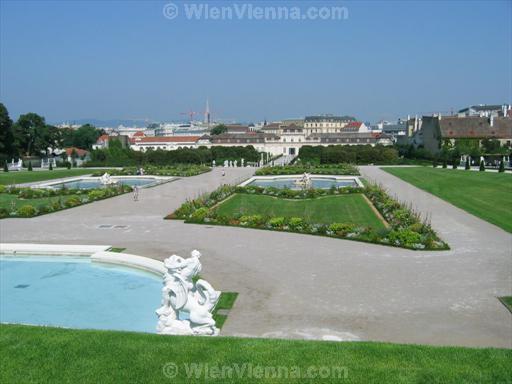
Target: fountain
[[186, 305], [304, 182], [106, 179]]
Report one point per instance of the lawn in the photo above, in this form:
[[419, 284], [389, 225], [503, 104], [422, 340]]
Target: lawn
[[52, 355], [350, 208], [507, 302], [6, 201], [487, 195], [7, 178]]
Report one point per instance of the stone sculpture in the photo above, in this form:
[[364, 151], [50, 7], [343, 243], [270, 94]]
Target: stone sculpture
[[186, 305]]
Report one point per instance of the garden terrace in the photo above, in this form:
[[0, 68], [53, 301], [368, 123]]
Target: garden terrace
[[486, 195], [29, 202], [333, 212]]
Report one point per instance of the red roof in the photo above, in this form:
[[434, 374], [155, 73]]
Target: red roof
[[167, 139], [353, 124], [139, 134], [102, 138], [78, 151]]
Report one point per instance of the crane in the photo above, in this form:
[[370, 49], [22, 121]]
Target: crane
[[190, 114]]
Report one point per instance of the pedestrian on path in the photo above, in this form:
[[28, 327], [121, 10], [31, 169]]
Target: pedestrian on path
[[136, 193]]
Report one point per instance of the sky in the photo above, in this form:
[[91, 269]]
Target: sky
[[126, 60]]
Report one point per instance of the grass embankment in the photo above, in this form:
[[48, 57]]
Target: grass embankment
[[19, 177], [350, 208], [487, 195], [52, 355]]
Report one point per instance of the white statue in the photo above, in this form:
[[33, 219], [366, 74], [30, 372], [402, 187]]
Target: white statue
[[213, 163], [106, 179], [235, 164], [242, 162], [305, 181], [186, 306]]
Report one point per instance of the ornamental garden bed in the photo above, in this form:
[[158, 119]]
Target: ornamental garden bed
[[345, 213], [181, 170], [30, 202]]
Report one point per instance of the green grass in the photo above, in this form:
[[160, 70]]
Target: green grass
[[507, 302], [116, 249], [7, 178], [6, 201], [350, 208], [487, 195], [52, 355], [226, 302]]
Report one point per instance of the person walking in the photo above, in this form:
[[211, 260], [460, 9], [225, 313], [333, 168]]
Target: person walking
[[136, 193]]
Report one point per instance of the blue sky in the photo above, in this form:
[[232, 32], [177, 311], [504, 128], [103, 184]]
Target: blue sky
[[125, 60]]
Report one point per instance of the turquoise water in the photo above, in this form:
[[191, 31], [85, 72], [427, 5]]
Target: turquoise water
[[72, 292], [317, 182], [91, 184]]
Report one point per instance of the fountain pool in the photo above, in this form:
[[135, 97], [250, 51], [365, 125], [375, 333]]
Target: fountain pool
[[73, 292], [292, 181]]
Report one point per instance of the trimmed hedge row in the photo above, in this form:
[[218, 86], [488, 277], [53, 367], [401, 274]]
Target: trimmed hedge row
[[75, 197], [338, 169], [181, 170], [406, 229]]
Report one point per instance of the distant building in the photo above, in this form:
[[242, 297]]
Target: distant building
[[436, 129], [165, 143], [326, 123], [101, 143], [483, 110]]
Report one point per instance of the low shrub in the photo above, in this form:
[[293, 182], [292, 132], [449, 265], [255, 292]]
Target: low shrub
[[4, 212], [26, 211], [72, 202]]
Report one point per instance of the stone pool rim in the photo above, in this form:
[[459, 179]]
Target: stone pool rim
[[96, 253], [158, 180], [247, 182]]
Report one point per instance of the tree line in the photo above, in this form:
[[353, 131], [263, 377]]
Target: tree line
[[354, 154], [117, 156], [30, 135]]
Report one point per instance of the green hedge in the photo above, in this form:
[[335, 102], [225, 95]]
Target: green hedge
[[354, 154]]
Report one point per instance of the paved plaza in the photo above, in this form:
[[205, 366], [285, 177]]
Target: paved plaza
[[302, 286]]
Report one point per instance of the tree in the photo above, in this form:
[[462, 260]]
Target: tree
[[30, 166], [6, 167], [482, 166], [219, 129], [85, 136], [50, 166], [6, 133], [467, 163], [490, 146], [434, 163], [445, 164], [502, 166], [455, 163], [31, 134]]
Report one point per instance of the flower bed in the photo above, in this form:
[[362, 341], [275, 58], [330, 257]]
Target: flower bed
[[183, 170], [406, 229], [338, 169], [52, 200]]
